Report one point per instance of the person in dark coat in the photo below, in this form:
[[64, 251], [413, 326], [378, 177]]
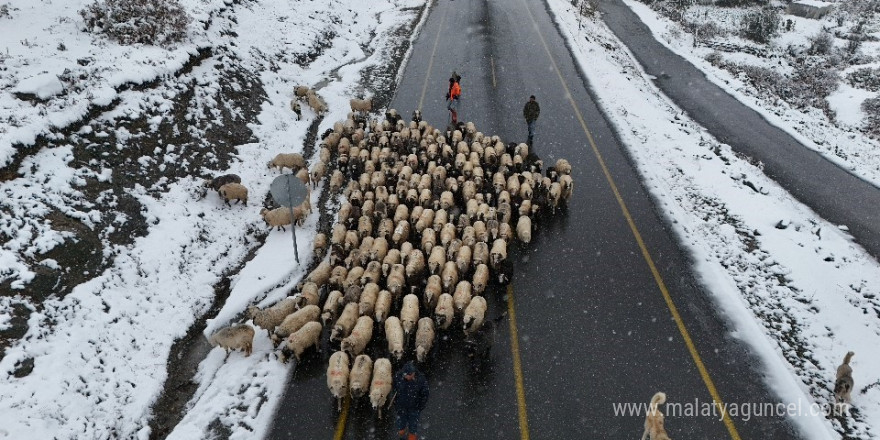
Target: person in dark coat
[[531, 112], [410, 397]]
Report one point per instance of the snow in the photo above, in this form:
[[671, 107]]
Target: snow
[[42, 86], [800, 296], [814, 3]]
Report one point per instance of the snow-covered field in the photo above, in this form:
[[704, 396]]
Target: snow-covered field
[[795, 287], [92, 357], [840, 137]]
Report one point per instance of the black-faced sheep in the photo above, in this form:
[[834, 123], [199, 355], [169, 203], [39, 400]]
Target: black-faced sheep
[[236, 337]]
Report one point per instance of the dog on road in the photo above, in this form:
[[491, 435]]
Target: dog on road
[[843, 385], [654, 419]]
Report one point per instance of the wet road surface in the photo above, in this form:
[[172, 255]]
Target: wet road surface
[[593, 292]]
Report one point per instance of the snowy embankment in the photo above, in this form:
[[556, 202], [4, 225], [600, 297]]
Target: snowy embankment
[[99, 353], [795, 288], [840, 141]]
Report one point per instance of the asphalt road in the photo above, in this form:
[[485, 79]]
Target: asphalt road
[[593, 304], [832, 192]]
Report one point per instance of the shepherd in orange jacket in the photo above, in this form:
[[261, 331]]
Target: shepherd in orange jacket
[[453, 96]]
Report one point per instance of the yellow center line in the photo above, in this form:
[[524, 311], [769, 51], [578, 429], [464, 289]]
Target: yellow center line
[[704, 373], [343, 418], [517, 368], [431, 62]]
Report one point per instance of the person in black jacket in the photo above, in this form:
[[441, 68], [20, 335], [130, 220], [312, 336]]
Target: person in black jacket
[[531, 111], [410, 397]]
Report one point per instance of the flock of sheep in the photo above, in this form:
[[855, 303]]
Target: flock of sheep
[[424, 227]]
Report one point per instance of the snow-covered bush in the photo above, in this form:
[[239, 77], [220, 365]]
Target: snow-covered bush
[[865, 78], [760, 26], [739, 3], [871, 107], [808, 86], [821, 44], [4, 10], [155, 22]]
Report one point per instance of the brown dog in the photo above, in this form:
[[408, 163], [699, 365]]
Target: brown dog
[[843, 385], [654, 419]]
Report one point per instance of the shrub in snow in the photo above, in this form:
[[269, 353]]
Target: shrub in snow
[[4, 10], [739, 3], [871, 107], [760, 26], [821, 44], [865, 78], [154, 22]]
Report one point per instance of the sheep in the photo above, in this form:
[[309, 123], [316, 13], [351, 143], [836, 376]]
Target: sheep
[[436, 260], [331, 307], [373, 271], [429, 240], [463, 259], [300, 340], [426, 220], [385, 229], [337, 377], [498, 253], [396, 280], [359, 337], [319, 246], [294, 322], [352, 240], [309, 295], [354, 277], [401, 232], [567, 184], [394, 336], [294, 161], [462, 296], [321, 275], [469, 236], [481, 254], [424, 338], [449, 276], [415, 266], [447, 235], [524, 229], [236, 337], [563, 167], [336, 181], [347, 319], [316, 102], [504, 232], [217, 182], [444, 312], [361, 105], [474, 315], [359, 378], [391, 258], [481, 279], [409, 314], [383, 306], [367, 302], [319, 170], [379, 249], [301, 91], [279, 217], [235, 191], [338, 276], [432, 291], [294, 105], [270, 317], [380, 386]]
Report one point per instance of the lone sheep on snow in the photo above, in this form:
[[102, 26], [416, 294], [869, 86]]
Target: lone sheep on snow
[[300, 340], [301, 91], [380, 387], [271, 317], [278, 218], [236, 337], [217, 182], [394, 336], [357, 341], [359, 378], [233, 191], [294, 161], [424, 338], [294, 322], [337, 376], [316, 102], [361, 105], [294, 105]]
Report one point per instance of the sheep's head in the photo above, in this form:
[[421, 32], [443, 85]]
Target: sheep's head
[[252, 311]]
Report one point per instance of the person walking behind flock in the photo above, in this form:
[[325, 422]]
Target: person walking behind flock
[[410, 398], [453, 96], [531, 112]]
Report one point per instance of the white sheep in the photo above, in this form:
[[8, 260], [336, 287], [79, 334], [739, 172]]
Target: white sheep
[[270, 317], [474, 314], [309, 335], [409, 314], [293, 161], [337, 377], [498, 253], [316, 102], [359, 337], [301, 91], [321, 274], [424, 338], [462, 296], [294, 105], [563, 167], [233, 191], [524, 229], [396, 280], [380, 386], [278, 218], [369, 296], [436, 260], [294, 322], [445, 311], [449, 276], [236, 337], [346, 322], [383, 306], [394, 336], [331, 307], [361, 105], [359, 378], [481, 279]]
